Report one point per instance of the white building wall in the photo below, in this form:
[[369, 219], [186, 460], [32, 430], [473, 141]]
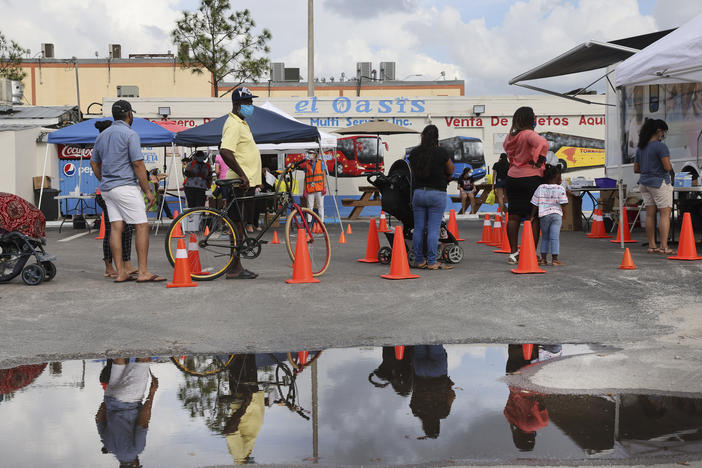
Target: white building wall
[[452, 115]]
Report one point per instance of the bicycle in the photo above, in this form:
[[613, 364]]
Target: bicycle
[[207, 364], [217, 241]]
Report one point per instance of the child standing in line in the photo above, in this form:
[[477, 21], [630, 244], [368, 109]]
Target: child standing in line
[[547, 201]]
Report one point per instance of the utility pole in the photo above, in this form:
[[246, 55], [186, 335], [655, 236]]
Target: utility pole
[[75, 64], [310, 48]]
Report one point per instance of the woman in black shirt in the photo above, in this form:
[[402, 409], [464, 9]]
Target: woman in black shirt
[[467, 188], [431, 168]]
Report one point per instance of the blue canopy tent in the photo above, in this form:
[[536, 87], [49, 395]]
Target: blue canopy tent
[[83, 134], [266, 127]]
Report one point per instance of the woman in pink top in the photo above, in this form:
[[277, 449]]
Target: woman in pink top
[[526, 151], [220, 167]]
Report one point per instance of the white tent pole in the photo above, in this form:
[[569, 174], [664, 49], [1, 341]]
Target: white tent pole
[[620, 97], [43, 175]]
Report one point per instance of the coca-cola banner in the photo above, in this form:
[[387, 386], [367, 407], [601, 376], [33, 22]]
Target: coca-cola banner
[[73, 152]]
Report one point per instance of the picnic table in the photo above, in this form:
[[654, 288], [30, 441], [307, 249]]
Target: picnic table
[[370, 197], [480, 197]]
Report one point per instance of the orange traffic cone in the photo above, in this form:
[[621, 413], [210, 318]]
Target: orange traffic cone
[[383, 226], [181, 273], [496, 232], [505, 247], [207, 231], [194, 256], [487, 231], [372, 245], [177, 232], [527, 349], [101, 235], [598, 230], [342, 238], [302, 267], [453, 225], [399, 352], [399, 265], [528, 263], [627, 261], [316, 229], [275, 238], [302, 357], [623, 225], [687, 250], [348, 229]]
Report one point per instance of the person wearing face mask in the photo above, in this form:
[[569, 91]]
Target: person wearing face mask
[[198, 179], [652, 162], [241, 155]]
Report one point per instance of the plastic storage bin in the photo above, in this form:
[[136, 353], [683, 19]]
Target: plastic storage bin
[[683, 179], [605, 182]]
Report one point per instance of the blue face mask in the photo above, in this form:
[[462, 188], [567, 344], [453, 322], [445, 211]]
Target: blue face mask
[[246, 110]]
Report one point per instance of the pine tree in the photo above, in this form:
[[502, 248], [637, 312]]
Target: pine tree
[[11, 59], [223, 43]]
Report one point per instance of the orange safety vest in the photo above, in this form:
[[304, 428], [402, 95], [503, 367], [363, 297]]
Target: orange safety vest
[[314, 177]]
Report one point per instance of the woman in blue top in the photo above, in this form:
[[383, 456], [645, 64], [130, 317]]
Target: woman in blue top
[[652, 161]]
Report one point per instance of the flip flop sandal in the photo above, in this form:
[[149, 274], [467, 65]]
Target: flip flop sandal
[[129, 278], [652, 250], [153, 279], [422, 266]]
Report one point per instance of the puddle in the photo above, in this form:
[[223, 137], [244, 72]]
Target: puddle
[[346, 406]]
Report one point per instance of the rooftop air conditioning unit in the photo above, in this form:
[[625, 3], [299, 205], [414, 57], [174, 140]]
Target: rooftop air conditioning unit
[[115, 51], [387, 71], [363, 69], [47, 50], [17, 92], [277, 71], [127, 91], [292, 74], [5, 92]]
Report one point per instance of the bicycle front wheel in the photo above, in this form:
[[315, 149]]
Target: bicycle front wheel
[[202, 365], [318, 244], [210, 239]]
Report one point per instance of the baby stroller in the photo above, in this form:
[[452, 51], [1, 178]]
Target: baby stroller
[[396, 199], [22, 236]]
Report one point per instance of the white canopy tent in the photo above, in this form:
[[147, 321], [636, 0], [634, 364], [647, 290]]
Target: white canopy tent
[[327, 141], [676, 58]]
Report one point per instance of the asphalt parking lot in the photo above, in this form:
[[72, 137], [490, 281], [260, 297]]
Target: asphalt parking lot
[[588, 300]]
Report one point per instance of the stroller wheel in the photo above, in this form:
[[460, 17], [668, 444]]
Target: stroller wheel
[[385, 255], [49, 269], [33, 274], [454, 253]]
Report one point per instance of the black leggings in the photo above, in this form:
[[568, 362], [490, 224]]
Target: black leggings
[[127, 234], [195, 197]]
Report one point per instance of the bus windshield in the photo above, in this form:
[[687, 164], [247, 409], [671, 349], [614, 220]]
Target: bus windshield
[[369, 150], [472, 150]]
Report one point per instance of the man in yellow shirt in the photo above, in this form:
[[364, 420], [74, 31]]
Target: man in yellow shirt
[[240, 153]]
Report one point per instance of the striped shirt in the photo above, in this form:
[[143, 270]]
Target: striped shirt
[[549, 198]]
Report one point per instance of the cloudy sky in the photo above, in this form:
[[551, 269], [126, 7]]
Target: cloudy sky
[[484, 42]]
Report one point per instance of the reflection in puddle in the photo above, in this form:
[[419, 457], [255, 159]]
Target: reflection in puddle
[[340, 406]]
